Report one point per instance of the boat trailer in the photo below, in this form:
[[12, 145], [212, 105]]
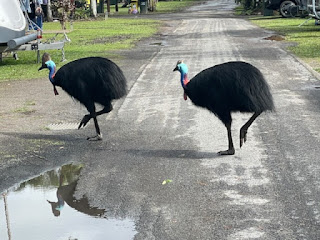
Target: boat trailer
[[14, 37]]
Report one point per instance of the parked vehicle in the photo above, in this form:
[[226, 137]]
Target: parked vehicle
[[294, 8], [283, 6]]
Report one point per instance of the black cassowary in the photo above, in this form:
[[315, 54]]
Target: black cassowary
[[89, 80], [225, 88]]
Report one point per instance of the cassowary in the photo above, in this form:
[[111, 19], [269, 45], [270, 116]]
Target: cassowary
[[225, 88], [89, 80]]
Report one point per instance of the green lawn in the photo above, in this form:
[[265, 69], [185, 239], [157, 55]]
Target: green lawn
[[307, 36], [88, 38], [174, 6], [162, 7]]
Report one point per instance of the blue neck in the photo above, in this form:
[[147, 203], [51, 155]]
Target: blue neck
[[183, 69], [52, 69]]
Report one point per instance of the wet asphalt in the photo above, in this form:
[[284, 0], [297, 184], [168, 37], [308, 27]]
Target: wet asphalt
[[268, 190]]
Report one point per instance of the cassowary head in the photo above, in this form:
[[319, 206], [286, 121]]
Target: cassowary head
[[183, 69], [48, 63]]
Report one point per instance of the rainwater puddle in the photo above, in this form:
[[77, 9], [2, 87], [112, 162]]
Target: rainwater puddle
[[63, 126], [44, 208]]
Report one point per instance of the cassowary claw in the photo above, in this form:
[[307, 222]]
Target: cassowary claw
[[243, 137], [95, 138], [84, 121], [227, 152]]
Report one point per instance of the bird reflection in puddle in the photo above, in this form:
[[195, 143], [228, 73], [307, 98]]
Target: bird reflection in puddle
[[68, 179], [67, 218]]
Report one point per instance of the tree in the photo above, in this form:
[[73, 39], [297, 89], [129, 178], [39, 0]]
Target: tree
[[152, 5], [49, 11], [93, 7], [64, 9]]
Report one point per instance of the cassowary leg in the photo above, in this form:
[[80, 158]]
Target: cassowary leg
[[99, 135], [106, 109], [87, 117], [85, 120], [244, 128], [230, 150]]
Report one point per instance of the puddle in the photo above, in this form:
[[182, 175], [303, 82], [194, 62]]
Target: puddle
[[44, 208], [162, 43], [63, 126], [275, 38], [156, 43], [311, 87]]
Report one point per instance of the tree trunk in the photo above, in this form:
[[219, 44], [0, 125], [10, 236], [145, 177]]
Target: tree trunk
[[93, 6], [108, 6], [49, 12]]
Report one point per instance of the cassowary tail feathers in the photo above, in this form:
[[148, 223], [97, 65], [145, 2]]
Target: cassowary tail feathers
[[117, 82], [252, 84]]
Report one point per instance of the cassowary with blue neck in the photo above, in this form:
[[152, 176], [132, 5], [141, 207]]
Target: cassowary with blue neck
[[89, 80], [226, 88]]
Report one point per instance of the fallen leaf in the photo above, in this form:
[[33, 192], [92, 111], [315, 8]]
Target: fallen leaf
[[166, 181]]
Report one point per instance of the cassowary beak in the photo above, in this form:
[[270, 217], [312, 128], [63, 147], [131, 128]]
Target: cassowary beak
[[176, 68], [42, 67]]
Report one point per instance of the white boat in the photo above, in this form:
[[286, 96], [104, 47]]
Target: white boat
[[13, 36], [12, 21]]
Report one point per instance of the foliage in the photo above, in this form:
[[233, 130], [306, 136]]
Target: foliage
[[63, 8], [250, 7], [81, 13]]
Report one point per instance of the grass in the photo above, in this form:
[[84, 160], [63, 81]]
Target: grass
[[88, 38], [239, 10], [162, 7], [306, 37], [173, 6], [25, 108]]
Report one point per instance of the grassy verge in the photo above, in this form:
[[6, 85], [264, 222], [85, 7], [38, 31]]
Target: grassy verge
[[307, 36], [174, 6], [88, 38]]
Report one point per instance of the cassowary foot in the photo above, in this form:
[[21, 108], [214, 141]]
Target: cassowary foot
[[243, 137], [95, 138], [84, 121], [227, 152]]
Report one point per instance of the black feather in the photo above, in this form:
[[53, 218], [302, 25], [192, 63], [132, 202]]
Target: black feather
[[230, 87], [92, 79]]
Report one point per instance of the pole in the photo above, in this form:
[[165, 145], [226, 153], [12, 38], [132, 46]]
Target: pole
[[7, 214]]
